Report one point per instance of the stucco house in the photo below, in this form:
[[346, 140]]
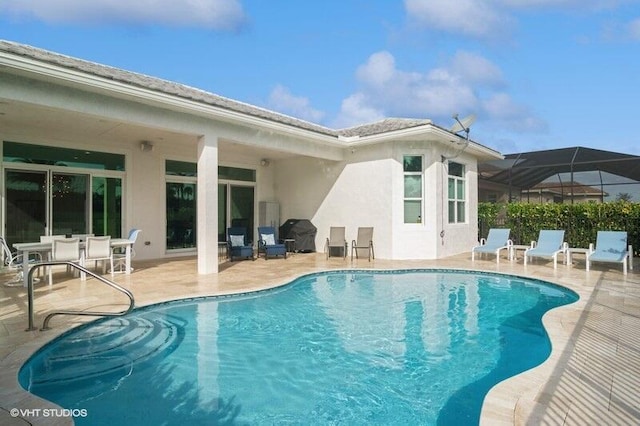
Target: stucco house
[[91, 148]]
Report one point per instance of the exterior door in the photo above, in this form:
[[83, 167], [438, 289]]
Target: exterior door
[[69, 203], [26, 205], [236, 207]]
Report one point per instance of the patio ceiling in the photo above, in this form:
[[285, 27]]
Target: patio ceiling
[[35, 122], [525, 170]]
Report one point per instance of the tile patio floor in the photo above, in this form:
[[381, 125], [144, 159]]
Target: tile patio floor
[[591, 378]]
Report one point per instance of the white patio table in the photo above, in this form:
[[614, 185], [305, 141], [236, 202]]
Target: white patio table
[[26, 248]]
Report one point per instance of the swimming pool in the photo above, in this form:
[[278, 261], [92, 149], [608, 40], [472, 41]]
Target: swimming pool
[[347, 347]]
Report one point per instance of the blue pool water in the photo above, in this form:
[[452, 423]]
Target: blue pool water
[[356, 347]]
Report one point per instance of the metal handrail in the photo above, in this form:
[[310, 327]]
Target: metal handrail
[[45, 324]]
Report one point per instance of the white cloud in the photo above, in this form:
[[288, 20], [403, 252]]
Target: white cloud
[[633, 29], [466, 83], [214, 14], [396, 92], [562, 4], [477, 18], [509, 115], [356, 109], [476, 69], [490, 18], [283, 101]]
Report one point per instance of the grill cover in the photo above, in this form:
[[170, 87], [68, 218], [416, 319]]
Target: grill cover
[[302, 231]]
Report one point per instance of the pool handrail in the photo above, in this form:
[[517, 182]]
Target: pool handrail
[[45, 324]]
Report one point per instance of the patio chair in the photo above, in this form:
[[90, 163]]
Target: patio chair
[[120, 254], [65, 250], [498, 239], [98, 249], [49, 239], [363, 244], [268, 244], [13, 262], [611, 247], [336, 241], [238, 243], [550, 244]]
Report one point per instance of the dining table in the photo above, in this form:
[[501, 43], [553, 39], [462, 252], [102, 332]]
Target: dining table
[[46, 247]]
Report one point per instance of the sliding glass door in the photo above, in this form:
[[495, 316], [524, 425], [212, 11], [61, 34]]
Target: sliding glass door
[[181, 215], [69, 204], [26, 205], [106, 205], [54, 203], [236, 207], [51, 190]]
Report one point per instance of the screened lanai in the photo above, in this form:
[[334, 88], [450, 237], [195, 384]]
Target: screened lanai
[[564, 175]]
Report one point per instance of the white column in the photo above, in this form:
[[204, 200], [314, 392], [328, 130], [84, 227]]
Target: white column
[[208, 204]]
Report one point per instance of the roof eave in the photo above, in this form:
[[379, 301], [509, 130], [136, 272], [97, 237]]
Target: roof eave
[[76, 78]]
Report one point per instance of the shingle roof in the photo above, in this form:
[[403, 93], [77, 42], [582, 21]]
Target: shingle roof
[[383, 126], [201, 96]]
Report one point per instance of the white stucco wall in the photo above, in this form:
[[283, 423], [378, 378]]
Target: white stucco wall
[[367, 189], [349, 193]]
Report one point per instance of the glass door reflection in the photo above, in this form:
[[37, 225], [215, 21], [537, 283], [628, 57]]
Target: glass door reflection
[[26, 205], [69, 203]]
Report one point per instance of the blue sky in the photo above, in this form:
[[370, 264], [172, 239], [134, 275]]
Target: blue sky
[[538, 74]]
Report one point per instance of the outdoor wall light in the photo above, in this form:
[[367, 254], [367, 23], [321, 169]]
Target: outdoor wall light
[[146, 146], [264, 162]]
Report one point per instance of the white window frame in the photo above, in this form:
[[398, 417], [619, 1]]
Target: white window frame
[[456, 203], [420, 173]]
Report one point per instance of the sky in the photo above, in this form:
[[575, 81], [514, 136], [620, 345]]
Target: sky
[[537, 74]]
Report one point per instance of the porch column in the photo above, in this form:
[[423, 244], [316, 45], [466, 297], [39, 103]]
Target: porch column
[[207, 203]]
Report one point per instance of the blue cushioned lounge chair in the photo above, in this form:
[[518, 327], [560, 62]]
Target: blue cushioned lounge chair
[[611, 247], [498, 239], [549, 245], [268, 244], [238, 244]]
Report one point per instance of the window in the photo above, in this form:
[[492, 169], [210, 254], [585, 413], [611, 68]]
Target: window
[[412, 167], [457, 193], [14, 152], [181, 168], [181, 204]]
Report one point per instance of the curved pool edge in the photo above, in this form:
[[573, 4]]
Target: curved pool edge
[[500, 406], [512, 401]]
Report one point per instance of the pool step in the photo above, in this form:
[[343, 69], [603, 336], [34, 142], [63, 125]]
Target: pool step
[[110, 348]]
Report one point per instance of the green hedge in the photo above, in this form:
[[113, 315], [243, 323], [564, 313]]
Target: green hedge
[[581, 221]]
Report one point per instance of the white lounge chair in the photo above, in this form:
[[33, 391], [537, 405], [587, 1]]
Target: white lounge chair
[[549, 245], [498, 239], [611, 247]]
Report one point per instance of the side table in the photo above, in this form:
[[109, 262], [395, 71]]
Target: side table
[[290, 244]]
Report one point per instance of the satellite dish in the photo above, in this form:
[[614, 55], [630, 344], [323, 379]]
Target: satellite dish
[[463, 124]]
